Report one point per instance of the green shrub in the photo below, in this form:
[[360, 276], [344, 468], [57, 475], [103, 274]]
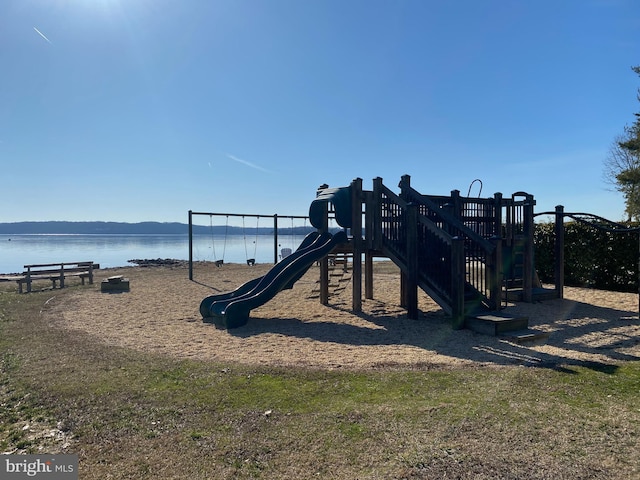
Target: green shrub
[[592, 257]]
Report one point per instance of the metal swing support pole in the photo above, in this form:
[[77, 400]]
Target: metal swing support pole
[[190, 245], [275, 238]]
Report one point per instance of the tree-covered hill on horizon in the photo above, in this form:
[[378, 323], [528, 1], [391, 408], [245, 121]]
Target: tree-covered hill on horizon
[[140, 228]]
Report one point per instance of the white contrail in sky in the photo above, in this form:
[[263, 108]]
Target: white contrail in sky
[[42, 35], [245, 162]]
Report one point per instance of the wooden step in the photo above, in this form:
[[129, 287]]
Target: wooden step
[[495, 323]]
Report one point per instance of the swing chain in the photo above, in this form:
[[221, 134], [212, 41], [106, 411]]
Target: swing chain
[[220, 262], [250, 261]]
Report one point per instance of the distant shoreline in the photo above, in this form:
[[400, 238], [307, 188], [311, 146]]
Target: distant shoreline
[[140, 228]]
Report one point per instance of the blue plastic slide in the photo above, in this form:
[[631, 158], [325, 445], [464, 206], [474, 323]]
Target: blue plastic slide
[[232, 309]]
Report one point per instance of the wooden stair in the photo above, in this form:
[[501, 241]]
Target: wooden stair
[[513, 329]]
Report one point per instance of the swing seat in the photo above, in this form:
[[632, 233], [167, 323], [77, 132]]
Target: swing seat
[[219, 263], [251, 262]]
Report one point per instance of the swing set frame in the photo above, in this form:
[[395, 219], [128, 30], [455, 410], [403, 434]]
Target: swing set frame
[[275, 218]]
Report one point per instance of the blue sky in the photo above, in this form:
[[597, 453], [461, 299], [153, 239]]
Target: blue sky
[[135, 110]]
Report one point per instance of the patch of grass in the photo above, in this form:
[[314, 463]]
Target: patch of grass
[[135, 415]]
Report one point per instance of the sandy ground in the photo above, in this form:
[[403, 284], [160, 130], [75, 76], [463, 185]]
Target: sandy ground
[[160, 314]]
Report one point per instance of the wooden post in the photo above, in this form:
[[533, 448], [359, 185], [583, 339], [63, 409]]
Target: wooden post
[[457, 283], [324, 262], [497, 275], [370, 234], [497, 229], [61, 276], [356, 232], [376, 214], [494, 274], [456, 204], [28, 279], [405, 181], [367, 198], [559, 251], [368, 275], [528, 268], [408, 285], [403, 290], [411, 285]]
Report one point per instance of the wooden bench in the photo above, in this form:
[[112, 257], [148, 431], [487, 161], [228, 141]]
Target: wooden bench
[[55, 272]]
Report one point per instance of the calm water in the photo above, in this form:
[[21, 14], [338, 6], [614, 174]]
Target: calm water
[[115, 250]]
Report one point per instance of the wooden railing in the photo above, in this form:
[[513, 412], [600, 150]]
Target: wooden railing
[[482, 272], [427, 255], [455, 265]]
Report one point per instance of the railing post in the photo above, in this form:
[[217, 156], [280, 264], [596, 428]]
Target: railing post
[[457, 283], [559, 251], [370, 234], [405, 183], [456, 204], [494, 274], [411, 285], [528, 268], [376, 214], [497, 215]]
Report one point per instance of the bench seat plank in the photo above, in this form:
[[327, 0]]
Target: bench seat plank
[[56, 272]]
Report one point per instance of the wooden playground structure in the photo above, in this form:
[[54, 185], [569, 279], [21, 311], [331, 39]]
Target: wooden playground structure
[[470, 255]]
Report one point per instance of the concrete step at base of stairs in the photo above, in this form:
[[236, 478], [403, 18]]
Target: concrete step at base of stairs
[[514, 329]]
